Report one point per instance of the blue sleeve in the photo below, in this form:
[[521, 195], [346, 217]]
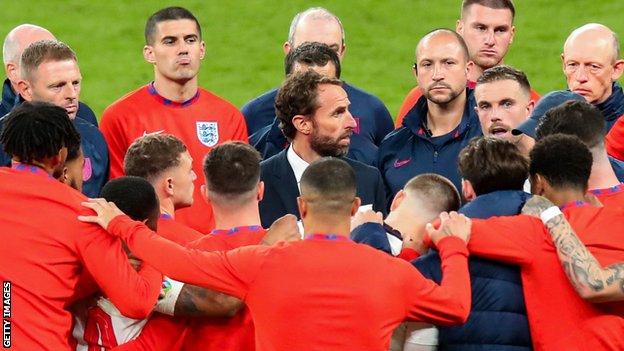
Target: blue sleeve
[[372, 234]]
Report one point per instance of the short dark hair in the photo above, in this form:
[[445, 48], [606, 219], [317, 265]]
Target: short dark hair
[[329, 185], [43, 51], [493, 4], [135, 196], [439, 193], [232, 169], [73, 153], [460, 40], [503, 72], [563, 160], [578, 118], [492, 164], [34, 131], [167, 14], [298, 95], [311, 54], [151, 155]]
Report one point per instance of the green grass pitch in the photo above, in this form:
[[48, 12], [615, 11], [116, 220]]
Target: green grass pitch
[[243, 38]]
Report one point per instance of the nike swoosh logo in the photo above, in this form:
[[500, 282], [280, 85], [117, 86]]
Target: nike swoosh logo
[[153, 133], [399, 163]]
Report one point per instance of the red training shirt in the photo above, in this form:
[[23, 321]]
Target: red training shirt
[[323, 293], [555, 311], [610, 197], [52, 260], [201, 123]]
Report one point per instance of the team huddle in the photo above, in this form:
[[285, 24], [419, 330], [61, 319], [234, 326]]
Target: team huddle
[[485, 217]]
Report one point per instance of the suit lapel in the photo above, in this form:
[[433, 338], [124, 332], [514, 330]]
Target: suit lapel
[[286, 184]]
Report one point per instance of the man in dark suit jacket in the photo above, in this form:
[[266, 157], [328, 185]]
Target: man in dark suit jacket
[[314, 116]]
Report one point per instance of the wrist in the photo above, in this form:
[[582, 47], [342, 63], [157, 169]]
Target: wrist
[[550, 213]]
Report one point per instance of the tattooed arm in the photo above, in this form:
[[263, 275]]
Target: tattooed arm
[[592, 281], [195, 301]]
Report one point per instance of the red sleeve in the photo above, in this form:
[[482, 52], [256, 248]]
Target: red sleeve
[[615, 140], [513, 239], [449, 302], [239, 127], [408, 254], [134, 294], [161, 333], [409, 102], [230, 272], [115, 139]]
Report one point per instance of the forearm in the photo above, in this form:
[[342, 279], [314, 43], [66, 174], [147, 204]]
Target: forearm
[[196, 267], [449, 302], [589, 278], [195, 301]]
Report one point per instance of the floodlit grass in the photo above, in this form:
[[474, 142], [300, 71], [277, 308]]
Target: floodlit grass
[[244, 38]]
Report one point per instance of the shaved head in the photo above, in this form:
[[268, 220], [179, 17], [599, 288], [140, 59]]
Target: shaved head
[[19, 38], [596, 34], [591, 61], [438, 33]]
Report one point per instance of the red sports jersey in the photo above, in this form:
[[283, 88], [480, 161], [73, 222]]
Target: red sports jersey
[[224, 334], [46, 253], [176, 231], [610, 197], [201, 123], [161, 333], [614, 140], [415, 94], [322, 293], [557, 314]]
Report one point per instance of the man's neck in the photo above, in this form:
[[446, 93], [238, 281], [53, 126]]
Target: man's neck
[[407, 224], [166, 206], [442, 119], [302, 148], [175, 91], [241, 216], [561, 197], [475, 73], [602, 175], [322, 225]]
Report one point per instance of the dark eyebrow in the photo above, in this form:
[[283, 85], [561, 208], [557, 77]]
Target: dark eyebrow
[[195, 36]]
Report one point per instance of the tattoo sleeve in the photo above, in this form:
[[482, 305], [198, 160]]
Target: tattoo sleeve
[[195, 301], [589, 278]]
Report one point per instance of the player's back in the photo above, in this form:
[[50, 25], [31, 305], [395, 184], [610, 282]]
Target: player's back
[[227, 333], [329, 294], [39, 231]]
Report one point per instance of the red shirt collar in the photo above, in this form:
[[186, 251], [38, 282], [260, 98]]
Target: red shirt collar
[[30, 169], [152, 91]]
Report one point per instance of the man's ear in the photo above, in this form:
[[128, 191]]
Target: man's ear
[[467, 190], [169, 186], [260, 191], [459, 27], [286, 47], [303, 124], [303, 207], [204, 192], [355, 205], [11, 71], [148, 54], [537, 184], [530, 108], [398, 198], [63, 178], [24, 89], [618, 69]]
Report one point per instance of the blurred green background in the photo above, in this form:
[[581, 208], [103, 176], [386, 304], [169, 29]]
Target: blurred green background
[[244, 40]]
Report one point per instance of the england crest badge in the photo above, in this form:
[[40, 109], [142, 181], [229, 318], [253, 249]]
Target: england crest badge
[[208, 133]]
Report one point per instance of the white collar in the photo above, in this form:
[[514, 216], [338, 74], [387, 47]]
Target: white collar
[[297, 164]]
